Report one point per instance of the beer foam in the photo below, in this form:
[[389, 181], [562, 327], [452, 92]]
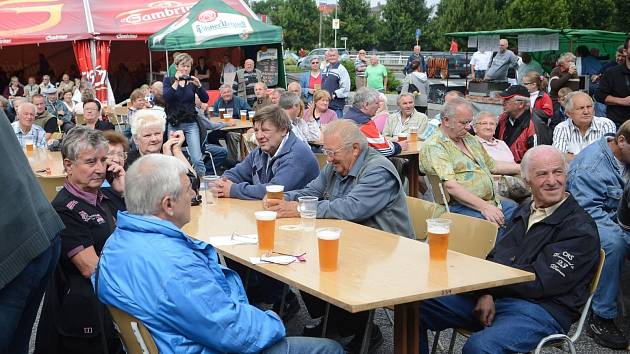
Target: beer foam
[[328, 234], [438, 229], [266, 215], [274, 188]]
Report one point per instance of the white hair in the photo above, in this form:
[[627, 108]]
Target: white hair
[[146, 118], [540, 149], [149, 180], [24, 105], [483, 114], [568, 101]]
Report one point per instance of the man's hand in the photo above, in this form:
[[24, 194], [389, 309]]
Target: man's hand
[[222, 188], [118, 184], [284, 208], [485, 310], [493, 214]]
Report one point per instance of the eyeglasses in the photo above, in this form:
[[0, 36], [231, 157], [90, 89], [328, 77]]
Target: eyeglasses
[[122, 155], [490, 124], [332, 153], [314, 62]]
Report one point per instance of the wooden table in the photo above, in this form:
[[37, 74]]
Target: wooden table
[[376, 269], [239, 127], [42, 159], [412, 154]]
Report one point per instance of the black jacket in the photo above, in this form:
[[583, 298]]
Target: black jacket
[[562, 250]]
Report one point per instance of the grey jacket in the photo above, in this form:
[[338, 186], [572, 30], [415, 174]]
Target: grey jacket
[[371, 194]]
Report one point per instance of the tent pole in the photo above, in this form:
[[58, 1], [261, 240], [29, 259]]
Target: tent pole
[[166, 53], [150, 64]]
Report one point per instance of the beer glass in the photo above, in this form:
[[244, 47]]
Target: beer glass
[[413, 133], [243, 116], [275, 191], [221, 113], [266, 227], [251, 116], [28, 144], [402, 136], [209, 195], [308, 212], [210, 111], [328, 248], [229, 112], [438, 231]]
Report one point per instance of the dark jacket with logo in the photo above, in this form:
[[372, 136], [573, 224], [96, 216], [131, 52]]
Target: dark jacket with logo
[[562, 250]]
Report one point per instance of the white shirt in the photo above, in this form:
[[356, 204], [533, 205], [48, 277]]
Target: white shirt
[[567, 136], [481, 60]]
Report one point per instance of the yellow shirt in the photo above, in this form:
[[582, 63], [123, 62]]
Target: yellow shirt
[[539, 214]]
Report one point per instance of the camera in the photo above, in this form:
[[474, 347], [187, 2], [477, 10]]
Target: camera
[[185, 78]]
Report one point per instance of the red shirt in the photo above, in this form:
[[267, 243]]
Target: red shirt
[[312, 81]]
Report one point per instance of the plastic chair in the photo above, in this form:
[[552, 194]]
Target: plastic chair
[[440, 195], [558, 339], [419, 211], [135, 336], [50, 185]]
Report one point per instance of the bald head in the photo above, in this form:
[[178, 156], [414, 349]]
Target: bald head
[[503, 45], [544, 169]]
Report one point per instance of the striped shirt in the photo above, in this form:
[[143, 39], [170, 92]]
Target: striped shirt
[[567, 136], [37, 135]]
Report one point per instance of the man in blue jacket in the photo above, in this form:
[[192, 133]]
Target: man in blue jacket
[[152, 270], [281, 159], [596, 179]]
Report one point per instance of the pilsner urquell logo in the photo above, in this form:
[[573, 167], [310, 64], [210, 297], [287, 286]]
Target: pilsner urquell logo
[[155, 11]]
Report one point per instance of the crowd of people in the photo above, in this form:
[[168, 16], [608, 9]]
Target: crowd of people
[[548, 171]]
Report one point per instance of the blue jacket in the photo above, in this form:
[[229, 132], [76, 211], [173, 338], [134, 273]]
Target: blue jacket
[[304, 79], [237, 104], [596, 183], [150, 269], [293, 167]]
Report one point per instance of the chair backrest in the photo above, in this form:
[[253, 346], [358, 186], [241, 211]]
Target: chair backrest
[[50, 185], [592, 288], [135, 336], [321, 160], [440, 195], [472, 236], [121, 111], [419, 211]]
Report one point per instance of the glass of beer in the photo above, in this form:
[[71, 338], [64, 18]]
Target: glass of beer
[[402, 136], [210, 111], [413, 133], [251, 115], [229, 112], [438, 231], [328, 248], [221, 113], [243, 116], [266, 227], [275, 191], [209, 195]]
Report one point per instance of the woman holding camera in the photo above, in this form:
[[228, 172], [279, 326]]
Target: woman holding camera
[[179, 95]]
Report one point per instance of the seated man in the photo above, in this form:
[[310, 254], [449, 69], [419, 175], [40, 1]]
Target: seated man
[[281, 158], [360, 185], [25, 131], [42, 116], [290, 103], [232, 139], [153, 271], [596, 180], [364, 106], [552, 237], [573, 135], [55, 106], [294, 87], [518, 127], [407, 117], [459, 160]]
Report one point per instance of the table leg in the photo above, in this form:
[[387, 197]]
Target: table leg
[[412, 175], [407, 328]]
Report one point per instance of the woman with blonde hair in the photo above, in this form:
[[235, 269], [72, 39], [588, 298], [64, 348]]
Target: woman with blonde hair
[[319, 111]]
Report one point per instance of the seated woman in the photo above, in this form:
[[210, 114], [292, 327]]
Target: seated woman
[[319, 111], [71, 315], [380, 118], [513, 187], [92, 115]]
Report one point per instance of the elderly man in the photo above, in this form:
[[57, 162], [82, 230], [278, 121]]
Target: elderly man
[[596, 179], [30, 244], [281, 158], [502, 61], [415, 56], [376, 75], [294, 87], [207, 312], [407, 117], [564, 75], [518, 126], [551, 236], [573, 135], [26, 132], [237, 104], [245, 80], [360, 64], [41, 114], [360, 185], [336, 80], [290, 103], [464, 167], [46, 84], [55, 106], [363, 108], [614, 89]]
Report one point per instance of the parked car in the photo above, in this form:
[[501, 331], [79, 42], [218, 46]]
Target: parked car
[[321, 54]]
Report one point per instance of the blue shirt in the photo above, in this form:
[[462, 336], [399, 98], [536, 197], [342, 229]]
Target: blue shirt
[[36, 134], [151, 269], [182, 98]]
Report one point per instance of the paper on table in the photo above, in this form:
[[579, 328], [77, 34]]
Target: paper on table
[[231, 240]]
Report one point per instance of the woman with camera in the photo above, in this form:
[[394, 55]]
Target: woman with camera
[[179, 94]]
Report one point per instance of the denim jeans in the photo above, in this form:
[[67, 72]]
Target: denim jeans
[[19, 300], [219, 154], [480, 74], [306, 345], [191, 132], [616, 244], [518, 324], [508, 207], [339, 113], [600, 109]]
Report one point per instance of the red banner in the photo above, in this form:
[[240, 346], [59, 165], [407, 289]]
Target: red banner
[[96, 75]]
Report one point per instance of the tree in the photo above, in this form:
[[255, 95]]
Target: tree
[[400, 20], [357, 23], [620, 22], [458, 16], [300, 23], [539, 13], [592, 14], [270, 8]]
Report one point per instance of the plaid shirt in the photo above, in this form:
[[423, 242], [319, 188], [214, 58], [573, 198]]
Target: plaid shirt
[[37, 134]]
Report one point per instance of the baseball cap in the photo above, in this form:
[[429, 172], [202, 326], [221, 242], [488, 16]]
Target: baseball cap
[[514, 90]]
